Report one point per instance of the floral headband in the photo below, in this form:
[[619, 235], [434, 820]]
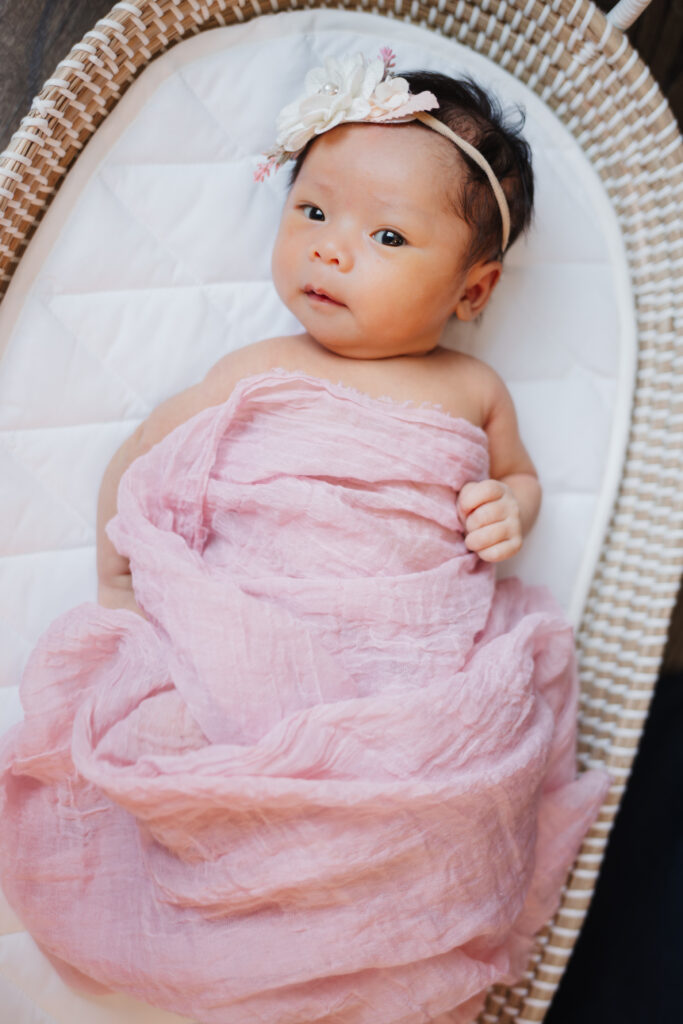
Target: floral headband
[[355, 90]]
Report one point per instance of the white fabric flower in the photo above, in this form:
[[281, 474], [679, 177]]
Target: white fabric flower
[[390, 94], [349, 89]]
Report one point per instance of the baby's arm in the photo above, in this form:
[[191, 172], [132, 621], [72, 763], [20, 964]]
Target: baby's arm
[[499, 512], [115, 587]]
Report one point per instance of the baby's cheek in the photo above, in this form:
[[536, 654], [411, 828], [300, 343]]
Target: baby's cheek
[[281, 260]]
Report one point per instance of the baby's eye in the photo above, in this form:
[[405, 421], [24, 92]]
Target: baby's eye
[[312, 212], [385, 236]]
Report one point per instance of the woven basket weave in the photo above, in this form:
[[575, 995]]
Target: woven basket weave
[[582, 67]]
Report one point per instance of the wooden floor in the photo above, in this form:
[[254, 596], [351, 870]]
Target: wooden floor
[[36, 34]]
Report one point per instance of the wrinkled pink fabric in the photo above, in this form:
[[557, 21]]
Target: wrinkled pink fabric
[[332, 777]]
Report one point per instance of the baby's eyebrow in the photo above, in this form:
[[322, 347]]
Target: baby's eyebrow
[[400, 205], [395, 208], [385, 202], [315, 183]]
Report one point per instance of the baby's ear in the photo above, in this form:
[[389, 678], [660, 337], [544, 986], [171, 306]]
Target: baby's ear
[[480, 281]]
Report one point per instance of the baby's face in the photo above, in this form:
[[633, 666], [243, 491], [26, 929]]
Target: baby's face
[[369, 255]]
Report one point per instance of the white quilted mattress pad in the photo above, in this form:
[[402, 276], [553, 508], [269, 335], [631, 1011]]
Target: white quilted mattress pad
[[153, 261]]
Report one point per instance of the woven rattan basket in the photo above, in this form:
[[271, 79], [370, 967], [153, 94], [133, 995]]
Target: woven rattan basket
[[581, 65]]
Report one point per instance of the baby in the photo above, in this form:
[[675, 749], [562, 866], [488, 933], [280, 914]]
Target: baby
[[396, 220], [328, 772]]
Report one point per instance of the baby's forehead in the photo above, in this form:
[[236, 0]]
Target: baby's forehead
[[392, 163]]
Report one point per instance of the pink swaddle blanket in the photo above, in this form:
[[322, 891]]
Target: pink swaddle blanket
[[332, 777]]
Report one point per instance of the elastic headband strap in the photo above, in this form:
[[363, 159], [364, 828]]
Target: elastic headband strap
[[474, 154]]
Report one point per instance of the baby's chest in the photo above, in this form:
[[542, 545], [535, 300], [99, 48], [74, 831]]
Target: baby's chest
[[438, 380]]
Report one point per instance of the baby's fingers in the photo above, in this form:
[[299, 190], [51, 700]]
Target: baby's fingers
[[489, 513], [487, 536], [499, 552], [472, 495]]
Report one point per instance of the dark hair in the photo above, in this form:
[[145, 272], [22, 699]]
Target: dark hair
[[471, 112]]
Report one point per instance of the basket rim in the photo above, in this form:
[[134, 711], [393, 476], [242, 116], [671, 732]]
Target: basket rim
[[586, 71]]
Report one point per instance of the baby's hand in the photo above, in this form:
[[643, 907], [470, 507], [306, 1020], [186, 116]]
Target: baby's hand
[[493, 526]]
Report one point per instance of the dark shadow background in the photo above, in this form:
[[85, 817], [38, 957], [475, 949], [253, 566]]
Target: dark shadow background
[[627, 967]]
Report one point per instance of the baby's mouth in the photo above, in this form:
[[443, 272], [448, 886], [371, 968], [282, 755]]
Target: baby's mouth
[[318, 295]]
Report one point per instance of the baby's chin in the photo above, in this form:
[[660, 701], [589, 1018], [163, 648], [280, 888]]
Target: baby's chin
[[338, 348], [331, 338], [365, 352], [332, 341]]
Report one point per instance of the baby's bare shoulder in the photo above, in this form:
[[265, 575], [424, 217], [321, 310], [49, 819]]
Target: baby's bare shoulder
[[473, 368], [244, 362], [214, 389], [466, 386]]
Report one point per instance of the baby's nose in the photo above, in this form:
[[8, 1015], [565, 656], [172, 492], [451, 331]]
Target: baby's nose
[[332, 251]]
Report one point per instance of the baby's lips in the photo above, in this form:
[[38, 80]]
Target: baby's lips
[[309, 289]]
